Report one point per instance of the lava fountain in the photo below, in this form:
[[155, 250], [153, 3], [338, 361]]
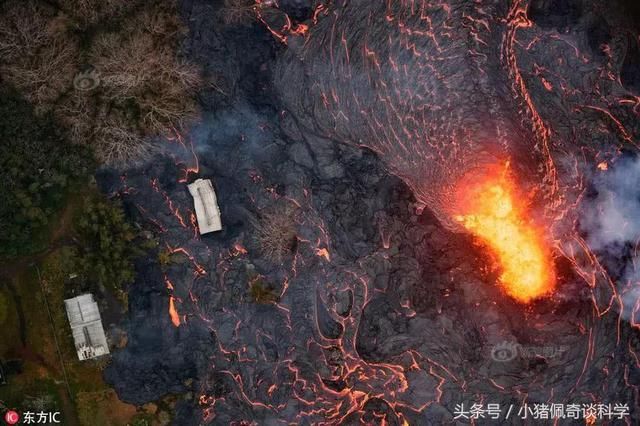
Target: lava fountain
[[489, 205], [442, 89]]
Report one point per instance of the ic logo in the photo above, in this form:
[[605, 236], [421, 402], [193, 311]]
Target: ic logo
[[504, 351], [11, 417]]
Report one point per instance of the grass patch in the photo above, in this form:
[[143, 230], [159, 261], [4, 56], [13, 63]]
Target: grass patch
[[29, 336], [104, 408], [92, 401]]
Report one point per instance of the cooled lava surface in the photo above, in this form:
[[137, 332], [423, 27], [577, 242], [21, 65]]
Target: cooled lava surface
[[358, 121]]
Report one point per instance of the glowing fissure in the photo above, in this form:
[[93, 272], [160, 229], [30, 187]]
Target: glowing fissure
[[491, 209], [173, 312]]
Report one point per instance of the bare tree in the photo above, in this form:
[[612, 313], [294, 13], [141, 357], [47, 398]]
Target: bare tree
[[141, 76], [37, 53], [238, 12], [86, 13], [275, 232], [77, 112], [119, 143], [135, 87], [161, 85]]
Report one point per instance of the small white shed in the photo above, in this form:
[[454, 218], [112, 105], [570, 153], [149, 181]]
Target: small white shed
[[206, 206], [86, 326]]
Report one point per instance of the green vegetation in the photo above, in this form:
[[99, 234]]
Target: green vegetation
[[107, 73], [38, 378], [103, 408], [107, 251], [4, 308], [164, 257], [58, 237], [261, 292], [42, 382], [141, 420], [37, 170], [95, 247]]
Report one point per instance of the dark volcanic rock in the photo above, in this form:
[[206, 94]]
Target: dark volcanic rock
[[556, 14], [156, 360], [377, 313]]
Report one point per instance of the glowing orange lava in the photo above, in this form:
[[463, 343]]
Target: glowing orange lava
[[489, 205], [175, 318]]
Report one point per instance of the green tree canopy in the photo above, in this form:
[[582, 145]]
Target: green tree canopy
[[36, 169], [4, 307], [108, 243]]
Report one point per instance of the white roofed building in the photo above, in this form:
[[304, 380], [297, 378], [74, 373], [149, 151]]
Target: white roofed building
[[86, 326], [206, 206]]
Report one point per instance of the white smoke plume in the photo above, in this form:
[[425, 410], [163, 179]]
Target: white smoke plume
[[611, 220]]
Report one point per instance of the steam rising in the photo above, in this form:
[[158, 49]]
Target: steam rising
[[611, 220]]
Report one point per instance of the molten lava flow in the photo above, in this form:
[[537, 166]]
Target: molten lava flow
[[489, 206], [175, 318]]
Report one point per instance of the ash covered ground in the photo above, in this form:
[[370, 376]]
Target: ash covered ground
[[374, 312]]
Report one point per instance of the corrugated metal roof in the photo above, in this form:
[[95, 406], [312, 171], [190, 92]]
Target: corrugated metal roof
[[206, 206], [86, 326]]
